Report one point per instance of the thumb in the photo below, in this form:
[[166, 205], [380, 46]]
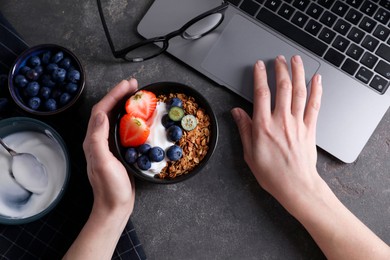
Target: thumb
[[98, 139], [244, 124]]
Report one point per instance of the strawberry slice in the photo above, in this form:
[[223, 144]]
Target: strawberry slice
[[142, 104], [133, 131]]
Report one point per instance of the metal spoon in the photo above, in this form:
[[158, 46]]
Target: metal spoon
[[27, 170]]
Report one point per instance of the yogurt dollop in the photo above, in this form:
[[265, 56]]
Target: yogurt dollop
[[158, 137], [15, 201]]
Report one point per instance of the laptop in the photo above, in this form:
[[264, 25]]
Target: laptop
[[347, 42]]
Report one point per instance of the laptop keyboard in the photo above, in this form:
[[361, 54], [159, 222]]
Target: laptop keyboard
[[352, 35]]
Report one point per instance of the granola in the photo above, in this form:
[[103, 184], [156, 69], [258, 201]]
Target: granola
[[195, 143]]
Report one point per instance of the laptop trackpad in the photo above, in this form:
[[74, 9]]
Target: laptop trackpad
[[240, 45]]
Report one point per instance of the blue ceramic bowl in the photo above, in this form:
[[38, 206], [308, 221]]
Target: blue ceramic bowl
[[166, 88], [57, 186], [22, 99]]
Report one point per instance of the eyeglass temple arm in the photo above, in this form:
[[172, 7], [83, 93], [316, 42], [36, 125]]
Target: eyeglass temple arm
[[105, 28]]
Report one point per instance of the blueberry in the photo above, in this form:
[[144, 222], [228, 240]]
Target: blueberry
[[143, 148], [24, 70], [71, 88], [131, 155], [47, 82], [156, 154], [174, 133], [57, 57], [51, 67], [3, 104], [50, 104], [21, 81], [65, 63], [166, 121], [45, 92], [35, 61], [39, 70], [174, 102], [65, 98], [56, 93], [46, 57], [174, 153], [73, 76], [32, 89], [32, 75], [59, 75], [143, 162], [34, 103]]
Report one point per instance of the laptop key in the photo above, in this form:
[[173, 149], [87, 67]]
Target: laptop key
[[350, 66], [292, 32], [249, 7], [370, 43], [364, 75], [273, 4], [367, 24], [379, 84], [313, 27], [299, 19], [383, 68], [382, 16], [314, 10], [384, 51], [334, 57], [369, 60], [353, 16], [326, 3], [328, 18], [381, 32], [340, 43], [327, 35], [301, 4], [340, 8], [355, 3], [354, 51], [286, 11], [368, 8], [342, 26], [356, 35], [385, 4]]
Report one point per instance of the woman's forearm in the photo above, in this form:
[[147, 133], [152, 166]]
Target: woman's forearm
[[338, 233], [99, 236]]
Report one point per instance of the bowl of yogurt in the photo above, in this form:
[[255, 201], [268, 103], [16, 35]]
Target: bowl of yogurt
[[179, 136], [19, 204]]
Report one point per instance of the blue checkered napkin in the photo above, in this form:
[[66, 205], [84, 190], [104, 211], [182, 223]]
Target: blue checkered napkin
[[51, 236]]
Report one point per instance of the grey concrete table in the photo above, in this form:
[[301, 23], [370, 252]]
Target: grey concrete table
[[222, 213]]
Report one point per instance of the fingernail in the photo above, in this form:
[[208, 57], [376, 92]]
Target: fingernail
[[260, 63], [297, 59], [236, 114], [319, 79], [99, 119], [281, 58]]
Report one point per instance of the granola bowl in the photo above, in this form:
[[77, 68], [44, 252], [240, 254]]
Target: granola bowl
[[195, 144]]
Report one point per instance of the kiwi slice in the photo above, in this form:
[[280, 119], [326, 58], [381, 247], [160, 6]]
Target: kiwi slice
[[176, 113], [189, 122]]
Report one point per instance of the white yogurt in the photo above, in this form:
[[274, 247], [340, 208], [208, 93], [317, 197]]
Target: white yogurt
[[158, 137], [16, 202]]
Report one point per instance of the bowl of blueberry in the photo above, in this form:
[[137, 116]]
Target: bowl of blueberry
[[46, 79], [165, 133]]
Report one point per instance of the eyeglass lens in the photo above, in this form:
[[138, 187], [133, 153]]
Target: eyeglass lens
[[203, 26]]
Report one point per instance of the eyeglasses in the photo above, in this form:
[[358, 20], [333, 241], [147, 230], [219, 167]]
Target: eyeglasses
[[150, 48]]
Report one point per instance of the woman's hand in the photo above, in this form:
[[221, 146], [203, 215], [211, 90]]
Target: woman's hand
[[279, 145], [112, 188]]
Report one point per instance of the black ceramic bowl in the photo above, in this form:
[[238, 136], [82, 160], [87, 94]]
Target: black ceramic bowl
[[56, 87], [167, 88]]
